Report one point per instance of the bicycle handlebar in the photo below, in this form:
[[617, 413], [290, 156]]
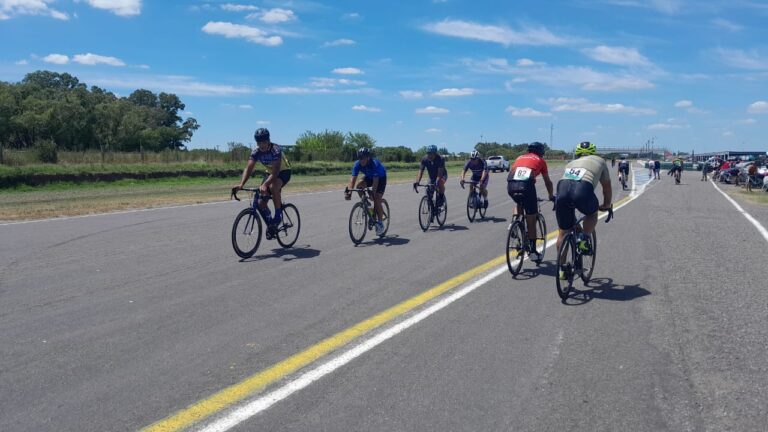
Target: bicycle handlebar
[[233, 194], [427, 185]]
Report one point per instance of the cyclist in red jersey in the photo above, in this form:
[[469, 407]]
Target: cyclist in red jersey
[[521, 186]]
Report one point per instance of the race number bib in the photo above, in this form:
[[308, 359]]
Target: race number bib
[[574, 173], [522, 173]]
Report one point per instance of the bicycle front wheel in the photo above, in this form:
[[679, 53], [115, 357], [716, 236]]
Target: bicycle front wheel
[[541, 236], [385, 218], [289, 229], [482, 208], [425, 213], [515, 248], [246, 233], [442, 211], [566, 259], [358, 223], [588, 261], [471, 207]]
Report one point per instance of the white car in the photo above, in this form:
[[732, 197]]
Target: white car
[[497, 163]]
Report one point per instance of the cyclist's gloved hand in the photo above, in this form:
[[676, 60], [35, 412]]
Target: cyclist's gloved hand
[[552, 198], [461, 182], [415, 184], [347, 196]]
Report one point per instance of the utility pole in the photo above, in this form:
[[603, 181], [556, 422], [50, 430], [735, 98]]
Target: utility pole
[[551, 134]]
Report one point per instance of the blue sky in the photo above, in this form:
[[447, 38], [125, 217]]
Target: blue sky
[[689, 74]]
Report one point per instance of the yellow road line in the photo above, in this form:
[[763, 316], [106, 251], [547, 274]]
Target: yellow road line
[[237, 392]]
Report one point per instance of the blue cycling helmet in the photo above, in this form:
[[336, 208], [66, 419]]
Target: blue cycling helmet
[[261, 134], [432, 149]]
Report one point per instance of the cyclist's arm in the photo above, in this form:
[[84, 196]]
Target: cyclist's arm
[[463, 173], [352, 181], [484, 176], [276, 165], [421, 174], [607, 193], [247, 172], [548, 184]]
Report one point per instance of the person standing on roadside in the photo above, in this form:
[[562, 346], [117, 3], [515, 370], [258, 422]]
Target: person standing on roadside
[[656, 169], [704, 171], [751, 176]]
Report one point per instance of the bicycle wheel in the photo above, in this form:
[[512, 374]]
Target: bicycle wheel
[[425, 213], [471, 208], [246, 233], [358, 223], [482, 210], [385, 219], [588, 261], [442, 211], [288, 232], [541, 237], [567, 251], [515, 247]]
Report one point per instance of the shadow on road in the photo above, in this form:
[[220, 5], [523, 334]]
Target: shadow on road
[[531, 270], [452, 227], [605, 289], [491, 219], [289, 254], [393, 240]]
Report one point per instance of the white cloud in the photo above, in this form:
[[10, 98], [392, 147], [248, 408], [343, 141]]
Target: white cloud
[[726, 25], [56, 59], [22, 62], [748, 121], [411, 94], [454, 92], [366, 108], [683, 104], [347, 71], [333, 82], [759, 107], [742, 59], [234, 7], [233, 31], [586, 106], [339, 42], [433, 130], [663, 126], [245, 106], [293, 90], [274, 16], [669, 7], [94, 59], [727, 134], [526, 112], [12, 8], [118, 7], [617, 55], [497, 34], [351, 16], [432, 110], [523, 62], [263, 122], [142, 66], [181, 85]]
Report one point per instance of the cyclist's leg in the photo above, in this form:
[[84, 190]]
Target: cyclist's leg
[[530, 202], [586, 203], [276, 189], [564, 211], [362, 184], [377, 197], [441, 185]]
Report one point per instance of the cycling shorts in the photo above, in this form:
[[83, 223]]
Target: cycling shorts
[[574, 195], [484, 182], [382, 183], [442, 177], [284, 175], [524, 192]]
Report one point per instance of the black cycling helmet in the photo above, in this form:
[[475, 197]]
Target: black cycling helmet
[[537, 148], [261, 134], [363, 152]]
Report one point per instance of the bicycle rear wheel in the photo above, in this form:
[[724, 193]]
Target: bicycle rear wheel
[[567, 251], [385, 218], [515, 248], [588, 261], [442, 211], [471, 207], [358, 223], [541, 237], [425, 213], [246, 233], [288, 232]]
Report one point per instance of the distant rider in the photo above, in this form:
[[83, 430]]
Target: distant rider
[[435, 166], [479, 169], [375, 177]]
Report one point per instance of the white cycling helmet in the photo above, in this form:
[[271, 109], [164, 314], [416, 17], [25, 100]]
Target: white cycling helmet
[[475, 154]]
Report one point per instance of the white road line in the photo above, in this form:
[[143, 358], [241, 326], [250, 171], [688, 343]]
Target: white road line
[[760, 228], [255, 407]]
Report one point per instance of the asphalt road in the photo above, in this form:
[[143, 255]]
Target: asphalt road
[[115, 322]]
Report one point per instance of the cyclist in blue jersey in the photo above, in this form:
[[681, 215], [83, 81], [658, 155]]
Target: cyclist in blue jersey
[[479, 169], [375, 177], [278, 174], [435, 166]]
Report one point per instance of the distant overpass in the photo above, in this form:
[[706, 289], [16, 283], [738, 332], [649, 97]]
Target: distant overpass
[[633, 151]]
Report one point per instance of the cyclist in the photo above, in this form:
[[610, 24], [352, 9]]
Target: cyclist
[[435, 166], [278, 174], [521, 187], [677, 166], [624, 168], [479, 174], [656, 169], [576, 190], [375, 177]]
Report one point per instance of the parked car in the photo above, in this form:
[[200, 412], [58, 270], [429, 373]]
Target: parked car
[[497, 163]]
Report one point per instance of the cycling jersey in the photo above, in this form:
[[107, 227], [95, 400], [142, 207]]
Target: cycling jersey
[[677, 164], [527, 167], [269, 157], [624, 166], [372, 169], [477, 166], [591, 169], [433, 166]]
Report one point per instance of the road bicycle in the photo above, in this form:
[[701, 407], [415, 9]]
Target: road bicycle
[[574, 260], [518, 242], [429, 212], [362, 217], [474, 202], [247, 228], [623, 181], [678, 173]]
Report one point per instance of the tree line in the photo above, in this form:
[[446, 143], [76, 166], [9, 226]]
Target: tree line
[[52, 111]]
